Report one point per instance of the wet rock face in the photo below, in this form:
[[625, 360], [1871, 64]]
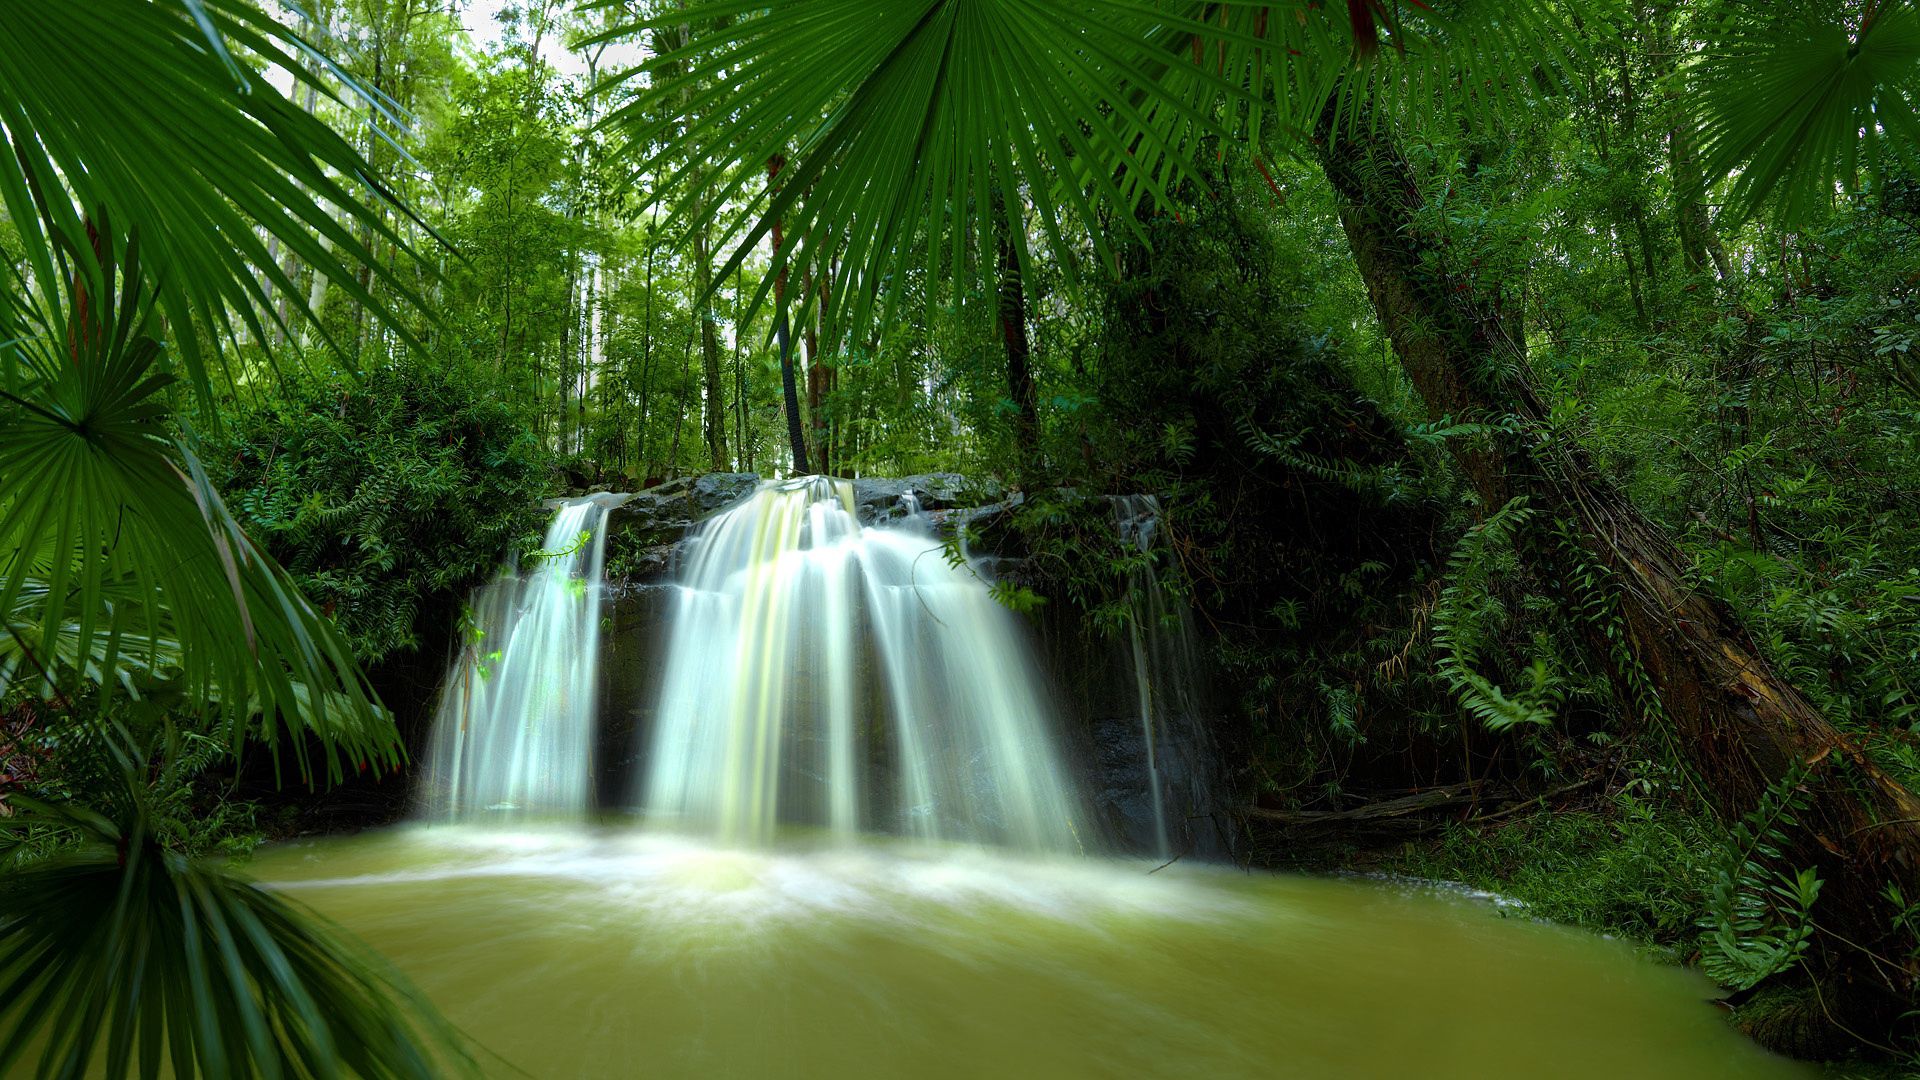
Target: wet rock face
[[878, 499], [644, 531]]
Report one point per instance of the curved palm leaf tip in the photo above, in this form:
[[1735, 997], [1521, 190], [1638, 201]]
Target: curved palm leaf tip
[[904, 123], [182, 139], [120, 949], [118, 563]]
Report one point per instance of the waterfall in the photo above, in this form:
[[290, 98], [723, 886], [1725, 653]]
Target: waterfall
[[515, 729], [1161, 646], [850, 679]]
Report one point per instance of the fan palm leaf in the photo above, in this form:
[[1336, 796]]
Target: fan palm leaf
[[117, 555], [119, 949], [903, 124], [1797, 100], [900, 123], [172, 130]]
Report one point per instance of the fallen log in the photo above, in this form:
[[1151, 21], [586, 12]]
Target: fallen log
[[1433, 798]]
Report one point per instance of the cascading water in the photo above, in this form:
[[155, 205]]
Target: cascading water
[[515, 730], [1161, 646], [825, 674]]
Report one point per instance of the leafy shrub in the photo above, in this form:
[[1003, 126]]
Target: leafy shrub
[[1757, 921], [384, 492]]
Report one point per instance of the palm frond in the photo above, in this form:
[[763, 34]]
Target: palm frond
[[171, 129], [122, 952], [1310, 71], [117, 555], [1797, 100], [904, 124]]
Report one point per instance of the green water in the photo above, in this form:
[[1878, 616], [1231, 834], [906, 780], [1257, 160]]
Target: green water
[[613, 954]]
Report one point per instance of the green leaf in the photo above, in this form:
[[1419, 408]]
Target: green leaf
[[1798, 100], [172, 130], [906, 126], [118, 557], [119, 947]]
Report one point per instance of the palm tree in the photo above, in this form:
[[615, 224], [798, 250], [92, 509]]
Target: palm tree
[[910, 116], [145, 191]]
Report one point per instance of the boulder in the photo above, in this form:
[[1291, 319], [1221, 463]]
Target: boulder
[[878, 499], [642, 531]]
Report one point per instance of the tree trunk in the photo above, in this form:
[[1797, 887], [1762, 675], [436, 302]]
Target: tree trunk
[[742, 440], [640, 457], [1013, 335], [820, 380], [716, 405], [1732, 721], [1699, 244], [796, 434], [680, 418]]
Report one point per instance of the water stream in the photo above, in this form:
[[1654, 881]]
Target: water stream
[[619, 953], [514, 733], [849, 678], [1160, 645]]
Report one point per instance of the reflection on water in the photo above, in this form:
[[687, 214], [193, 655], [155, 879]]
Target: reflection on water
[[612, 954]]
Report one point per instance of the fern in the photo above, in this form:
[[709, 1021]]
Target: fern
[[1757, 922], [1343, 713], [1388, 483], [1461, 620]]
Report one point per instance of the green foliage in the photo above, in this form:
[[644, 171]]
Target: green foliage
[[1630, 865], [189, 805], [1798, 97], [125, 148], [914, 121], [387, 493], [127, 589], [1460, 622], [122, 564], [1757, 921], [1751, 383], [1636, 864]]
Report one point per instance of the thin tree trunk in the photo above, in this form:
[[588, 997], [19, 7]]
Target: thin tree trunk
[[742, 444], [680, 419], [819, 380], [1699, 244], [796, 434], [646, 373], [716, 396], [1013, 336], [1637, 211], [1739, 727]]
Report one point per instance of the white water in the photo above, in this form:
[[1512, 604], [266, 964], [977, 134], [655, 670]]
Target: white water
[[515, 731], [824, 674], [1138, 520]]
